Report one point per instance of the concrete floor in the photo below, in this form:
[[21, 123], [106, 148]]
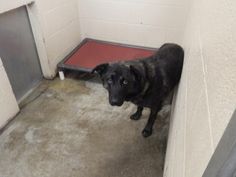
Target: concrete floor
[[68, 129]]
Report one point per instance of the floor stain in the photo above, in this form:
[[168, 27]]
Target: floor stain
[[67, 128]]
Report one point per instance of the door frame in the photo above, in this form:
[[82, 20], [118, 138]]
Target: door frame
[[35, 18]]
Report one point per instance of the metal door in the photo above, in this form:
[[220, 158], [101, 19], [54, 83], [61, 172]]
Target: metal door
[[18, 51], [223, 161]]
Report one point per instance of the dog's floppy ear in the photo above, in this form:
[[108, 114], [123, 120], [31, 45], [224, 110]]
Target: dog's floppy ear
[[100, 69], [136, 72]]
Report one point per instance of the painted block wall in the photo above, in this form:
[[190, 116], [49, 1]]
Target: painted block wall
[[56, 24], [8, 104], [138, 22], [206, 97]]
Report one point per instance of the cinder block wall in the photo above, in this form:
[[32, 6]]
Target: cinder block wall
[[59, 23], [139, 22], [206, 96]]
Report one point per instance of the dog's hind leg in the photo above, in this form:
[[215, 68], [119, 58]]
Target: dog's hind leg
[[137, 114], [147, 131]]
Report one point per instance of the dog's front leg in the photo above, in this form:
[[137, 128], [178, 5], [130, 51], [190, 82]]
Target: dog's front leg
[[137, 114], [147, 131]]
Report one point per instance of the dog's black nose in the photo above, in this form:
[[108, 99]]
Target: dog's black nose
[[115, 102]]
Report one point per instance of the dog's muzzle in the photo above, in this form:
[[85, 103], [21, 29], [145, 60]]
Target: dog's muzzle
[[115, 102]]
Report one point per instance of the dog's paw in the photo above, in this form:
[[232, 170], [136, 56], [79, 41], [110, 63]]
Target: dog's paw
[[135, 116], [146, 133]]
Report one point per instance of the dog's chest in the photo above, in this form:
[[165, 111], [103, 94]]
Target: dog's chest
[[142, 101], [151, 98]]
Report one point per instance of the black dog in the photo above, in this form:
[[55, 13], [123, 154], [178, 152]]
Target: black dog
[[145, 82]]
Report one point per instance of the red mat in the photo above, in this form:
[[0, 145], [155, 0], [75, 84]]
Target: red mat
[[93, 52]]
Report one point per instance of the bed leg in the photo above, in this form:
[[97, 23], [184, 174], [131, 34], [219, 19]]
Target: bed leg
[[61, 75]]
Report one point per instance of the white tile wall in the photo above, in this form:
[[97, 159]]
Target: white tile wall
[[146, 23]]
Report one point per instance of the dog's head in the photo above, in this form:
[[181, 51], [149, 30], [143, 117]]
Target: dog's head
[[121, 81]]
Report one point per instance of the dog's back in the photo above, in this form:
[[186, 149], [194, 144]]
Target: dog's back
[[170, 58], [162, 72], [167, 63]]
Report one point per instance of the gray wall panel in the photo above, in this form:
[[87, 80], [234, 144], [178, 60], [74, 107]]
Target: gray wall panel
[[18, 51], [223, 161]]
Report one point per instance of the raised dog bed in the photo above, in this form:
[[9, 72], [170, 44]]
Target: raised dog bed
[[90, 53]]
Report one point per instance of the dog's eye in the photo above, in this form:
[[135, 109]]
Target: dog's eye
[[109, 81], [125, 82]]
